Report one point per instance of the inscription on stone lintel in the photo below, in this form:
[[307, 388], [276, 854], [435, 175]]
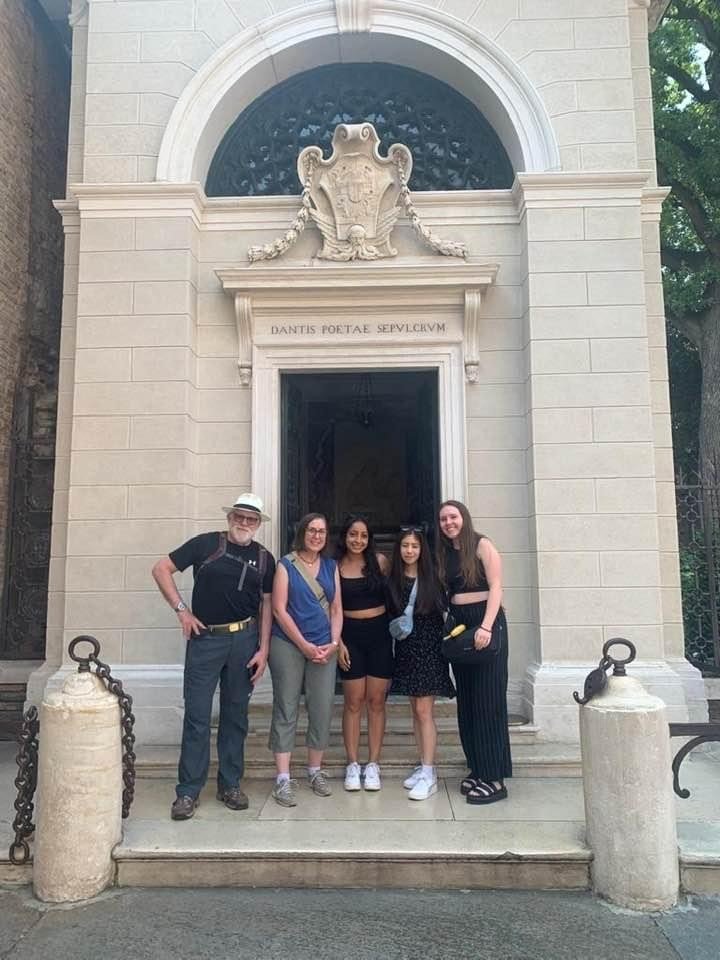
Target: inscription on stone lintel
[[356, 329]]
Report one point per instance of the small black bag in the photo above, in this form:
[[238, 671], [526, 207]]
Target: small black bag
[[461, 647]]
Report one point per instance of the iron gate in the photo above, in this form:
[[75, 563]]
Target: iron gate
[[698, 515]]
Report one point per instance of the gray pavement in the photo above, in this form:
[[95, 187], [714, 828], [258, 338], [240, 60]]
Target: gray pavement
[[134, 924]]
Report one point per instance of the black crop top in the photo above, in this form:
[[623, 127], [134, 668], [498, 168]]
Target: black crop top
[[455, 580], [357, 594]]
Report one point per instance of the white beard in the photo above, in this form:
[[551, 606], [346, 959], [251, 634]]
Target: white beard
[[242, 539]]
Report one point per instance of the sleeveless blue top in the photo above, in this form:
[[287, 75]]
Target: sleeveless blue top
[[304, 607]]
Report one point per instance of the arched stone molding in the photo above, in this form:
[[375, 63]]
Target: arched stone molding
[[406, 33]]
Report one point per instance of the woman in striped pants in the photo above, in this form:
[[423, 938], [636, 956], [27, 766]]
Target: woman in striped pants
[[470, 569]]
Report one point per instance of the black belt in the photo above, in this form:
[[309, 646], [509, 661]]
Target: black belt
[[233, 627]]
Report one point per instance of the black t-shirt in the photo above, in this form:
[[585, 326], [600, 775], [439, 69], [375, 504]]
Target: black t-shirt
[[216, 597]]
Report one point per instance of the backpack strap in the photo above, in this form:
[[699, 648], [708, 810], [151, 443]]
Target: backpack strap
[[218, 552]]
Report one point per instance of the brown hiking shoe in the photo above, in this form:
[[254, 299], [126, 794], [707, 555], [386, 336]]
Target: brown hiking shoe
[[183, 808], [233, 798]]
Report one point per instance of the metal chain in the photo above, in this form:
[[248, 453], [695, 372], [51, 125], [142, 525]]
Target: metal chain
[[127, 721], [25, 782], [127, 717]]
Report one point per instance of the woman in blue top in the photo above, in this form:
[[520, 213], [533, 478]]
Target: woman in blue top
[[303, 651]]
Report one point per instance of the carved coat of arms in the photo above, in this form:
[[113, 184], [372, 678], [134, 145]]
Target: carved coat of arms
[[355, 198], [354, 194]]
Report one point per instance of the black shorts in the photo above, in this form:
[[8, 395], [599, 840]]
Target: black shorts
[[370, 647]]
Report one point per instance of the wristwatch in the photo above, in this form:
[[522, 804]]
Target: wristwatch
[[180, 607]]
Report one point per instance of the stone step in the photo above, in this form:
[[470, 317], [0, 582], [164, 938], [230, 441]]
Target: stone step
[[358, 840], [529, 760], [530, 757]]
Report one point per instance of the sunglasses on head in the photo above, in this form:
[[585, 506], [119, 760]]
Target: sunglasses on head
[[411, 529]]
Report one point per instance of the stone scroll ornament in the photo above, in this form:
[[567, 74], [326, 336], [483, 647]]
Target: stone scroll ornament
[[355, 198]]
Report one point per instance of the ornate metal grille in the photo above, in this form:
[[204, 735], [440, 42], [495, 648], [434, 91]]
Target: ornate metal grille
[[698, 509], [24, 613], [453, 145]]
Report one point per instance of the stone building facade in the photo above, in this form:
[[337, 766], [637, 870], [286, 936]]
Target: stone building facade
[[545, 348], [35, 86]]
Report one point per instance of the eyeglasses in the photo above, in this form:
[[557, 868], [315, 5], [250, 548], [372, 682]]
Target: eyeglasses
[[317, 531], [244, 520]]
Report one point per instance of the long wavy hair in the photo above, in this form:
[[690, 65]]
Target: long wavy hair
[[303, 524], [471, 567], [430, 596], [371, 567]]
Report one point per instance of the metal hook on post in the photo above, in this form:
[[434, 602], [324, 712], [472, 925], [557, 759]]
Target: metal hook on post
[[84, 662], [596, 680]]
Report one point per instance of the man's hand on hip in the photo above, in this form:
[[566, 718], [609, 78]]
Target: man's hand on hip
[[190, 623]]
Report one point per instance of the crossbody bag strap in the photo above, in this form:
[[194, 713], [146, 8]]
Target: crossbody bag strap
[[262, 567], [311, 581], [411, 599]]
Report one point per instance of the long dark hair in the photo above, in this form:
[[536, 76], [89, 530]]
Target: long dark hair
[[299, 541], [371, 567], [471, 568], [429, 593]]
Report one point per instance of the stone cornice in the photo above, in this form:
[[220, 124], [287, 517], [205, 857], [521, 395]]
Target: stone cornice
[[300, 290], [544, 190], [652, 201], [442, 207], [388, 282], [68, 210], [139, 199]]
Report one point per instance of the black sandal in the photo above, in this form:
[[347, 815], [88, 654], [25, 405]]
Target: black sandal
[[468, 784], [484, 792]]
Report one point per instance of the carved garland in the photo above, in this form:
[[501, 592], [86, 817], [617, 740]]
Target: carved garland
[[282, 244], [356, 244], [446, 248]]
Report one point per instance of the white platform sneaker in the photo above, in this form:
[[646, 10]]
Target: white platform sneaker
[[409, 782], [423, 789], [352, 776], [372, 777]]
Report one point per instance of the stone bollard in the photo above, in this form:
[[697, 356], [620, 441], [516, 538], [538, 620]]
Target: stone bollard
[[79, 791], [629, 801]]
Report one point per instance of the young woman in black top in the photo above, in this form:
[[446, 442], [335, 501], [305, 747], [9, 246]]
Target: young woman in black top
[[365, 655], [470, 569], [421, 672]]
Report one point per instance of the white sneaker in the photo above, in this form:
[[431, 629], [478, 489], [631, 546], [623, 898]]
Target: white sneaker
[[409, 782], [372, 776], [352, 776], [423, 789]]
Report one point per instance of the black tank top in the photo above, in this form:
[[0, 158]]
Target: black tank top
[[358, 594], [456, 581]]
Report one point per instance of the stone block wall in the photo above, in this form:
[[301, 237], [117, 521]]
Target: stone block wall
[[587, 60]]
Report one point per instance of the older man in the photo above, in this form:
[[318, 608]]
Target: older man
[[227, 629]]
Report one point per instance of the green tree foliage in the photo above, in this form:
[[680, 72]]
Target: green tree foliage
[[685, 59]]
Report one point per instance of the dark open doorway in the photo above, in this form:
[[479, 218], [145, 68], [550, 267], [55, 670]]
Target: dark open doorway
[[360, 441]]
